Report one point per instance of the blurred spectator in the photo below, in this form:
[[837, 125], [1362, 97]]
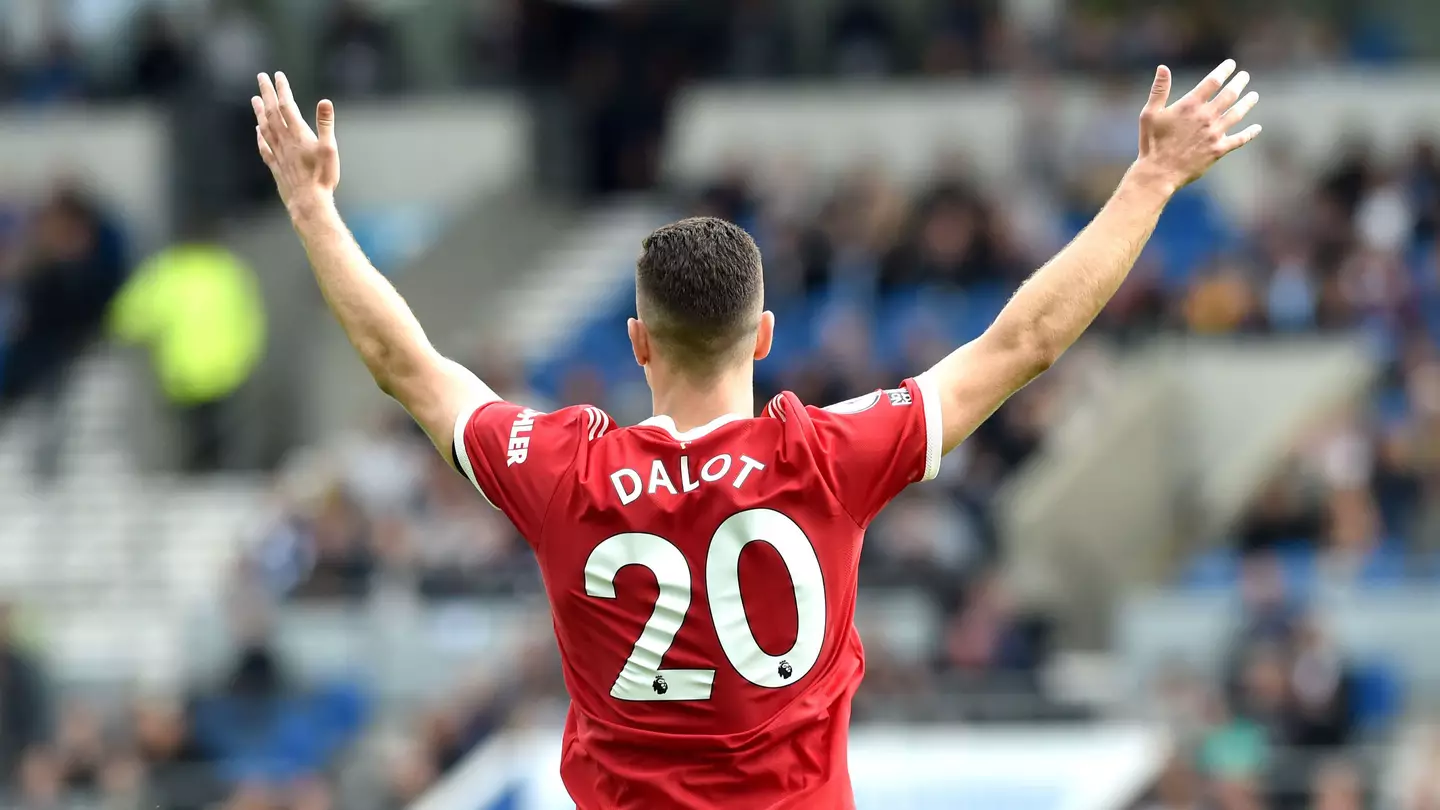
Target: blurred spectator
[[1321, 684], [1339, 786], [56, 75], [1220, 302], [67, 274], [41, 781], [178, 774], [162, 63], [1234, 752], [759, 42], [24, 701], [358, 53], [1179, 788], [338, 547], [996, 649], [197, 307], [236, 49], [80, 747], [862, 40], [234, 46], [963, 37]]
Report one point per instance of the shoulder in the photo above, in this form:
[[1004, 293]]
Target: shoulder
[[520, 431], [588, 420], [875, 404]]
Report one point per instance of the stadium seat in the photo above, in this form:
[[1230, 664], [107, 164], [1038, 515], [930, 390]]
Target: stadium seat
[[1377, 695], [1211, 570]]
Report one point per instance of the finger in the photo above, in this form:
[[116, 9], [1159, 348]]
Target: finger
[[262, 120], [1160, 90], [272, 104], [1242, 108], [1232, 91], [325, 120], [1233, 142], [288, 109], [266, 153], [1210, 85]]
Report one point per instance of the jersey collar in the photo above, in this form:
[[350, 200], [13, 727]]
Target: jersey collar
[[668, 425]]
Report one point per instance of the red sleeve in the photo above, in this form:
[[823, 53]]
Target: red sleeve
[[872, 447], [516, 456]]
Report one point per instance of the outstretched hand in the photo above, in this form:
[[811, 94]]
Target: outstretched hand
[[304, 163], [1180, 142]]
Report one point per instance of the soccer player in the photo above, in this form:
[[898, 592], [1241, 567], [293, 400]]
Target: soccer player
[[701, 566]]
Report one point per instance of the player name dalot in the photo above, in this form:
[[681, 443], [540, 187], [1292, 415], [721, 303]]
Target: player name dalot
[[686, 476]]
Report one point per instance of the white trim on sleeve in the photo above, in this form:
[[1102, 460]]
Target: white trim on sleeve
[[934, 425], [463, 452]]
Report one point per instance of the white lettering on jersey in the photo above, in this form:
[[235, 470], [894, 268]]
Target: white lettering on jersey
[[750, 464], [631, 484], [619, 477], [707, 475], [687, 483], [659, 478], [519, 447]]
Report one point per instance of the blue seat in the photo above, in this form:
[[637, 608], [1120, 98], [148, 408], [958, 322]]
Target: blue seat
[[1300, 566], [1377, 695], [1386, 567], [1218, 569]]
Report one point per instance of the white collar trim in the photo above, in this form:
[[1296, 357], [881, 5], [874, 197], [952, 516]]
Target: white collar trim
[[668, 424]]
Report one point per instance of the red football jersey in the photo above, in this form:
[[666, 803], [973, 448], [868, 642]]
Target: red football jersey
[[702, 586]]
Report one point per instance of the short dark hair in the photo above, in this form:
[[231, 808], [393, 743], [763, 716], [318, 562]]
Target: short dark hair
[[699, 290]]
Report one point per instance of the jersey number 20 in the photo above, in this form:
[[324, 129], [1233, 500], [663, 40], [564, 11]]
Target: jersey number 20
[[642, 678]]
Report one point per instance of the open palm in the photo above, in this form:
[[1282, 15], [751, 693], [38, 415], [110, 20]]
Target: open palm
[[304, 163], [1183, 140]]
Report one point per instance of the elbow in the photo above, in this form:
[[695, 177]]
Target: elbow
[[1041, 355], [385, 384], [381, 365], [1032, 349]]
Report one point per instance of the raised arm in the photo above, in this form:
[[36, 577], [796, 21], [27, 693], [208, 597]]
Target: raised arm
[[381, 327], [1178, 143]]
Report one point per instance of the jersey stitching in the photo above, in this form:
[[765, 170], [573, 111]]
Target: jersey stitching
[[934, 426], [462, 450], [559, 481], [668, 427], [825, 479]]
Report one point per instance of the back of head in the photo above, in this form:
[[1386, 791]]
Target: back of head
[[700, 292]]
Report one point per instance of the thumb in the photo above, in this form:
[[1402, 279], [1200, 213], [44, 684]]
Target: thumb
[[325, 121], [1160, 90]]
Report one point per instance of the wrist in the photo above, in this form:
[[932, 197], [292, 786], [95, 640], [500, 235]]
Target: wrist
[[308, 206], [1146, 178]]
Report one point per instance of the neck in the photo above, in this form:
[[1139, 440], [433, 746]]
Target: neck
[[692, 403]]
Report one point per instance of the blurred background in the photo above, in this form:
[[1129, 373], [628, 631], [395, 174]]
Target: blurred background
[[1197, 566]]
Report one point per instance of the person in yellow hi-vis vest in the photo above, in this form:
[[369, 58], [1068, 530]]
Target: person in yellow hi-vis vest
[[197, 307]]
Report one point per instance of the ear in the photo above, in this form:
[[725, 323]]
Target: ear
[[639, 341], [765, 335]]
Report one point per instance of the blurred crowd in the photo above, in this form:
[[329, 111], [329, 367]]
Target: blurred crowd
[[1334, 249], [1350, 245], [62, 257], [359, 46], [607, 73], [1287, 722], [1342, 246], [253, 738]]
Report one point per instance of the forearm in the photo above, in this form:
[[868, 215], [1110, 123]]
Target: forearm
[[1055, 306], [377, 321]]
